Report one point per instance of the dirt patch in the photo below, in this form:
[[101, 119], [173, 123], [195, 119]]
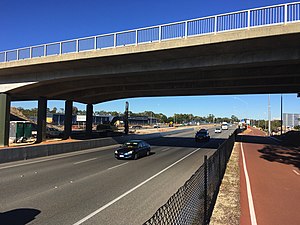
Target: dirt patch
[[227, 207]]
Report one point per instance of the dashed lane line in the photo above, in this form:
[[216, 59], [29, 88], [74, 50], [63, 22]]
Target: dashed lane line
[[117, 166], [296, 172], [83, 161], [131, 190]]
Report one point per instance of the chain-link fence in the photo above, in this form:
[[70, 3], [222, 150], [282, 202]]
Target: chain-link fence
[[193, 203]]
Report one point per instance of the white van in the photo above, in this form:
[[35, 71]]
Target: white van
[[224, 126]]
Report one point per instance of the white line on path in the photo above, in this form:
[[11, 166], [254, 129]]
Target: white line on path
[[166, 149], [296, 172], [250, 199], [117, 166], [84, 161], [131, 190]]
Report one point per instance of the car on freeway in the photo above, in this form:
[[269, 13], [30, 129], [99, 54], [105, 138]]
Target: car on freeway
[[133, 149], [53, 133], [136, 127], [105, 128], [218, 130], [156, 126], [224, 126], [202, 135]]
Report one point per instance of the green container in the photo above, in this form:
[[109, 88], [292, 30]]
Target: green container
[[20, 130], [27, 130]]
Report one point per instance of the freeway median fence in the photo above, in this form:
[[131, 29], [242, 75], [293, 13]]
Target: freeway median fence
[[193, 203]]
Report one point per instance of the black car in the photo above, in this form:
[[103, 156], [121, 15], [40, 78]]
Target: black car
[[202, 135], [133, 149]]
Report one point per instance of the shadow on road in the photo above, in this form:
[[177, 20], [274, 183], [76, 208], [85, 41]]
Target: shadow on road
[[18, 216], [187, 142], [274, 151], [290, 156], [255, 139], [82, 135]]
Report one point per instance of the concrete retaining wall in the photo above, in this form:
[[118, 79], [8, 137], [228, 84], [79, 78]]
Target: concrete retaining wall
[[34, 151]]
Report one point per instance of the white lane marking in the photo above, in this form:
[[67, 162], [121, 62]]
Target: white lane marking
[[83, 161], [249, 194], [117, 166], [65, 155], [131, 190], [166, 149], [296, 172]]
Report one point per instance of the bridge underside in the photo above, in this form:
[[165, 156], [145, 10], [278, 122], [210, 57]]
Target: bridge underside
[[268, 64], [244, 80]]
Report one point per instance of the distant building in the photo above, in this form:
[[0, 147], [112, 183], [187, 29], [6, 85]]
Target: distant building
[[291, 119], [59, 119], [142, 120]]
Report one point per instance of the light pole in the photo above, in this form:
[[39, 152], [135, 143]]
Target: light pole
[[281, 106], [269, 115]]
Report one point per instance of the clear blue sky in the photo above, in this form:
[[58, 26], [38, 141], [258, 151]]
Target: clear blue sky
[[31, 22]]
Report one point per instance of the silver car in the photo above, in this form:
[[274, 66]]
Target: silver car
[[218, 130]]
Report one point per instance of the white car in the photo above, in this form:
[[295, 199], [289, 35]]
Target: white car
[[218, 130]]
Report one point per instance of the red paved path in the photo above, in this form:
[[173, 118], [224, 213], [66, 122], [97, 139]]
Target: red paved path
[[275, 186]]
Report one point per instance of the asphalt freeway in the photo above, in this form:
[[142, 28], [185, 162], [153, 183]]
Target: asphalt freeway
[[92, 187]]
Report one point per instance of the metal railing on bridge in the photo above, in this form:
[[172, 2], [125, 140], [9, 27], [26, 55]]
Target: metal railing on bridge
[[245, 19]]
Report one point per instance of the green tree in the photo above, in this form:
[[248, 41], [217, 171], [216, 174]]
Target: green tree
[[210, 118], [234, 118], [54, 110], [74, 110]]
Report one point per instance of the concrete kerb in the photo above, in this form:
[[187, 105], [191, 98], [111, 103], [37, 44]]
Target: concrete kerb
[[30, 152]]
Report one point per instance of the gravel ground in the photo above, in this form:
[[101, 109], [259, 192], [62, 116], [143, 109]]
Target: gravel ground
[[227, 207]]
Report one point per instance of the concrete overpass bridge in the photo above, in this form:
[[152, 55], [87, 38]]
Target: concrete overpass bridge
[[247, 52]]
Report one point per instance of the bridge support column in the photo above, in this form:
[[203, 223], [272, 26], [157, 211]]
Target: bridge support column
[[41, 120], [126, 118], [4, 119], [68, 119], [89, 119]]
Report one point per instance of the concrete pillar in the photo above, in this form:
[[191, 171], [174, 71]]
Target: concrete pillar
[[126, 130], [68, 119], [4, 119], [41, 120], [89, 119]]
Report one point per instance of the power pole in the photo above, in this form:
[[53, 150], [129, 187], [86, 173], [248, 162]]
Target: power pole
[[281, 121], [269, 115]]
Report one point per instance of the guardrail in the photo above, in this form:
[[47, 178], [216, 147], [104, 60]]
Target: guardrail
[[193, 203], [246, 19]]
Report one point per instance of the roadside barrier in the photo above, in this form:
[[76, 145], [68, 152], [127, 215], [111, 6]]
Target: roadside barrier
[[193, 203], [34, 151]]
